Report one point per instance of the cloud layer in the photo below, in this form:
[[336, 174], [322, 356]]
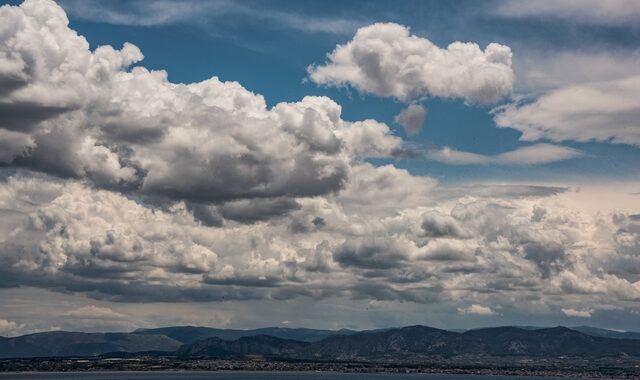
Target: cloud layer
[[511, 247], [609, 13], [528, 155]]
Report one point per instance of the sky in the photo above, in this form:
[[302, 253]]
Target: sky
[[356, 164]]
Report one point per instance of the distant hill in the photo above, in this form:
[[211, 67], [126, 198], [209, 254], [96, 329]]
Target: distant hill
[[190, 334], [62, 343], [421, 342], [395, 344], [262, 345], [606, 333], [593, 331]]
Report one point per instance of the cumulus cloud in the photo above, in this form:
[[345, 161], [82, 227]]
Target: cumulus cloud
[[387, 60], [84, 114], [585, 313], [412, 118], [493, 246], [10, 328], [477, 309], [602, 111], [610, 13], [528, 155]]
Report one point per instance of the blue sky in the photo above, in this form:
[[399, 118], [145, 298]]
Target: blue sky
[[137, 191]]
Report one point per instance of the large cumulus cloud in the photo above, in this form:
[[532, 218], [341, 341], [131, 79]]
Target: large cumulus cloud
[[387, 60], [77, 113], [511, 247]]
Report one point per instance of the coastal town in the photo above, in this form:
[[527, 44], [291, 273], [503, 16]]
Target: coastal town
[[562, 367]]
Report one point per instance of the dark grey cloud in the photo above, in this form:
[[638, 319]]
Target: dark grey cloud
[[371, 253], [437, 225], [412, 118]]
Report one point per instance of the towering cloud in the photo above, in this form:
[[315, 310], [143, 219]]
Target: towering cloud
[[72, 112], [387, 60]]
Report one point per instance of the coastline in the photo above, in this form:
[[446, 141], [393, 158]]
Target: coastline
[[595, 370]]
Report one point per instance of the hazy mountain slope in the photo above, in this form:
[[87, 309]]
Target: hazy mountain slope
[[263, 345], [420, 342], [62, 343], [606, 333], [190, 334]]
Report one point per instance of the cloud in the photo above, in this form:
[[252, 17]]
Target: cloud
[[77, 113], [10, 328], [546, 70], [373, 253], [603, 111], [493, 246], [198, 12], [94, 312], [386, 60], [530, 155], [477, 309], [122, 186], [585, 313], [412, 118], [609, 13]]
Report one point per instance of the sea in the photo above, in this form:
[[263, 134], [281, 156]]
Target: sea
[[244, 375]]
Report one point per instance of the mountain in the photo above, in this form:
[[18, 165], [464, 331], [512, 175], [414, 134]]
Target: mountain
[[62, 343], [606, 333], [190, 334], [396, 344], [593, 331], [262, 345], [375, 344], [421, 342]]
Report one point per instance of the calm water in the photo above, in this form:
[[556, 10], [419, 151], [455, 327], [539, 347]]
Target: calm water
[[241, 376]]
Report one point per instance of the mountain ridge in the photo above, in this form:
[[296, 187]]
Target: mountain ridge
[[409, 342]]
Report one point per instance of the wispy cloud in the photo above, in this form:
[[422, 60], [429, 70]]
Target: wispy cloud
[[610, 12], [529, 155], [162, 12]]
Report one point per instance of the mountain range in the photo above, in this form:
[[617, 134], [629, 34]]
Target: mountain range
[[395, 344]]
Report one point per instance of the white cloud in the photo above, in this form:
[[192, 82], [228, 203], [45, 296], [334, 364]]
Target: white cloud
[[10, 328], [412, 118], [529, 155], [477, 309], [583, 313], [425, 244], [603, 111], [610, 12], [73, 112], [386, 60], [544, 70], [94, 312]]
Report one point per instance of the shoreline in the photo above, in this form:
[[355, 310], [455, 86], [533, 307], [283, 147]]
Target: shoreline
[[627, 371]]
